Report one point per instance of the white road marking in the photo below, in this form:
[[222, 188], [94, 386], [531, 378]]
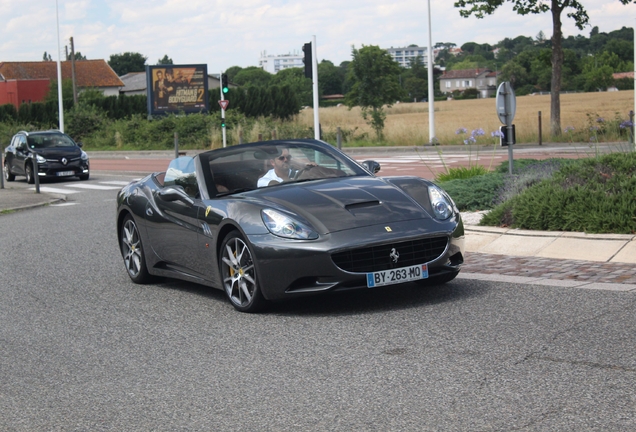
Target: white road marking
[[55, 190], [63, 204], [116, 183], [93, 186]]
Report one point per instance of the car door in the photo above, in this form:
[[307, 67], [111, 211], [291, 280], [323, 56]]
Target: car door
[[171, 219], [19, 154]]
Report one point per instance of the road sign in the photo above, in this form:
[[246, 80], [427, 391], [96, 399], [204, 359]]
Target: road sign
[[506, 103], [224, 103]]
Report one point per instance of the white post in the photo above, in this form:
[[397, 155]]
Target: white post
[[431, 89], [59, 73], [222, 110], [314, 73]]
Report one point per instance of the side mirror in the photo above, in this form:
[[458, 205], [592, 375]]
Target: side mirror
[[372, 166], [21, 146], [171, 193], [80, 144]]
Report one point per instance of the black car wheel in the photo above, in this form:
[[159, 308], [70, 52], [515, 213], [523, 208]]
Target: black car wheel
[[84, 176], [7, 172], [239, 274], [28, 169], [132, 251]]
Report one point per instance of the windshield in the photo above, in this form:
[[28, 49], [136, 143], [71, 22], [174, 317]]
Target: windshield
[[50, 140], [253, 166]]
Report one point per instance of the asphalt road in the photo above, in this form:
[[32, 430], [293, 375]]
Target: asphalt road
[[83, 348]]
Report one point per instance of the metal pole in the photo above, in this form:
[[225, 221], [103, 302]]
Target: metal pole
[[176, 145], [431, 91], [73, 71], [222, 110], [60, 102], [1, 171], [540, 137], [508, 127], [36, 173], [314, 72]]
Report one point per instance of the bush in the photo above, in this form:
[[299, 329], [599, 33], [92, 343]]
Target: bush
[[475, 193], [591, 195]]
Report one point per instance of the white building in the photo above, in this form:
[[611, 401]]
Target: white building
[[404, 55], [275, 63]]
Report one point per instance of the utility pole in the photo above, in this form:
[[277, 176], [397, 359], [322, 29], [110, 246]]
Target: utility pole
[[73, 71]]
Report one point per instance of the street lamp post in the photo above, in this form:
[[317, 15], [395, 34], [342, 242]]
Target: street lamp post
[[60, 102], [431, 91]]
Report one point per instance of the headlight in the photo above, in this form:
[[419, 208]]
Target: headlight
[[40, 159], [284, 226], [84, 156], [441, 203]]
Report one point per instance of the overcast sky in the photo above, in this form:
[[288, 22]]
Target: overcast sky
[[224, 33]]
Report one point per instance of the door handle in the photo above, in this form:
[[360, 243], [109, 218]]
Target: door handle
[[149, 212]]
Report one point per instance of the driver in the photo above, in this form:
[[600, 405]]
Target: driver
[[280, 172]]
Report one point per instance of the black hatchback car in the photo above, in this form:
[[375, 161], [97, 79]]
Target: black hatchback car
[[56, 154]]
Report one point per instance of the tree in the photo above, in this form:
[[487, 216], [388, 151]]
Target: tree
[[296, 80], [127, 62], [329, 78], [232, 71], [252, 76], [576, 11], [165, 60], [375, 78], [46, 57]]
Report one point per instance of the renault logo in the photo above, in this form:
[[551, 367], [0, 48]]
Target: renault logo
[[64, 161], [394, 255]]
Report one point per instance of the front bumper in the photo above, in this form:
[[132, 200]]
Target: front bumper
[[57, 169], [289, 268]]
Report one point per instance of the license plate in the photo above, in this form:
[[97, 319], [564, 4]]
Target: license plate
[[395, 276], [65, 173]]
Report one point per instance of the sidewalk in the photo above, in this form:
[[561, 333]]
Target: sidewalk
[[12, 199]]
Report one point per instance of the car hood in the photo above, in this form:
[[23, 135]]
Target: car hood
[[341, 204], [58, 152]]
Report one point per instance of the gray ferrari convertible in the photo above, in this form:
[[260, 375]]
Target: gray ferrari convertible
[[280, 219]]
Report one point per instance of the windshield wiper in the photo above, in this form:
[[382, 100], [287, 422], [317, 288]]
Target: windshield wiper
[[234, 191]]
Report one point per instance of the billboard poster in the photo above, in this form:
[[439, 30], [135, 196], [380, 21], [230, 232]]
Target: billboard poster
[[177, 88]]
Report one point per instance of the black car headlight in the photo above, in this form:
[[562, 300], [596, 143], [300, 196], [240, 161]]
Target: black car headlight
[[440, 202], [84, 156], [40, 159], [285, 226]]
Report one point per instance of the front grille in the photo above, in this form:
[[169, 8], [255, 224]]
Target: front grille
[[377, 258]]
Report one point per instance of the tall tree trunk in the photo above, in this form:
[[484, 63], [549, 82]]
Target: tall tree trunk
[[557, 67]]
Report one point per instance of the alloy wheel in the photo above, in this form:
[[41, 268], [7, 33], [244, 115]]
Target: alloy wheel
[[239, 274], [131, 249]]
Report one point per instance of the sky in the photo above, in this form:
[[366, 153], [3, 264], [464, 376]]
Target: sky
[[224, 33]]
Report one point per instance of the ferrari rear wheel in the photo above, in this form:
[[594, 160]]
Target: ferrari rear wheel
[[238, 273], [132, 251]]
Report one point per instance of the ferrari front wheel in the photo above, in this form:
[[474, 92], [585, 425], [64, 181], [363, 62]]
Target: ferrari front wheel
[[238, 273], [132, 251]]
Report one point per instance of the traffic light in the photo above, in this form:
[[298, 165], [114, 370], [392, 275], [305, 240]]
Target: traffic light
[[222, 122], [224, 84], [307, 60]]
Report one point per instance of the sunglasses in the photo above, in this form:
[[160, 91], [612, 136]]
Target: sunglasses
[[282, 158]]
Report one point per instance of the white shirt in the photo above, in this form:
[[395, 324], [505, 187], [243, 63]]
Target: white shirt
[[268, 177]]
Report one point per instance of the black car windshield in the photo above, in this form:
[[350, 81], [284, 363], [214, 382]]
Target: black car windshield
[[50, 140], [253, 166]]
